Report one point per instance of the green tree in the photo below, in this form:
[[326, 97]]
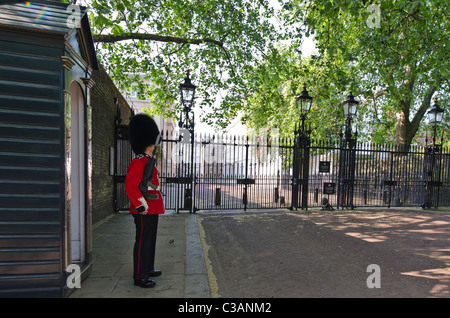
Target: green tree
[[219, 41], [396, 53], [278, 80]]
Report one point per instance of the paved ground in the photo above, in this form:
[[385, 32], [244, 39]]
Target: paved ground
[[279, 254], [327, 254], [178, 254]]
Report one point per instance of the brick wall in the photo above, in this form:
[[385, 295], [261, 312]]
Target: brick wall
[[104, 113]]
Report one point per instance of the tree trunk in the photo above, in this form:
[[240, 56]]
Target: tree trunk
[[403, 130]]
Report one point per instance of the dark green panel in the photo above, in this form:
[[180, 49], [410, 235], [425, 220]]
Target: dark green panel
[[21, 173], [28, 187], [28, 39], [18, 47], [40, 292], [29, 240], [31, 227], [26, 267], [29, 61], [30, 165], [28, 281], [28, 201], [32, 185], [28, 145], [26, 103], [31, 118], [29, 131], [29, 159], [20, 73], [47, 16], [28, 254], [30, 214], [30, 89]]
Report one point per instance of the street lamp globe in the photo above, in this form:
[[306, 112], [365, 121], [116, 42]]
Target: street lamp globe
[[350, 106], [187, 92], [435, 114], [304, 101]]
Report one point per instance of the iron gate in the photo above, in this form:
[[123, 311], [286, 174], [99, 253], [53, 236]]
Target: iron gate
[[229, 172], [259, 172], [382, 175], [122, 158], [224, 172]]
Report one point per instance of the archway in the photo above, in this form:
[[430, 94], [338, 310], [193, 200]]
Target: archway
[[77, 175]]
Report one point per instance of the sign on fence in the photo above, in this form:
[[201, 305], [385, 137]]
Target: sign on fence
[[328, 187], [324, 166]]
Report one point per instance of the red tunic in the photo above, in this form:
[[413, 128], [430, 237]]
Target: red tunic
[[133, 179]]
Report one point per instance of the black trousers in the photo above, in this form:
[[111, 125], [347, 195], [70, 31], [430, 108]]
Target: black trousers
[[144, 245]]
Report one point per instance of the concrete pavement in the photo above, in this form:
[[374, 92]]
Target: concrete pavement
[[179, 256]]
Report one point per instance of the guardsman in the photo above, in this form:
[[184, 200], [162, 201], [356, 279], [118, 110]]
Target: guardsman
[[145, 205]]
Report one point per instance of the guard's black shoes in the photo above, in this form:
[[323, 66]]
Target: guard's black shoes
[[154, 273], [144, 282]]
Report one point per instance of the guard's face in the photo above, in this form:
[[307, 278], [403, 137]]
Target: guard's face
[[152, 148], [158, 150]]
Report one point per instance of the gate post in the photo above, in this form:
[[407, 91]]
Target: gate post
[[305, 143], [245, 194], [432, 174], [347, 156], [300, 167], [301, 152], [187, 90], [295, 172], [346, 176]]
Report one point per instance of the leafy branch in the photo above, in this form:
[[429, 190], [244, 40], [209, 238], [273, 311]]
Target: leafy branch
[[111, 38]]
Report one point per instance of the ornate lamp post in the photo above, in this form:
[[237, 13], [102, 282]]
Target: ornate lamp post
[[432, 165], [347, 156], [187, 90], [304, 102], [435, 116], [301, 153], [350, 108]]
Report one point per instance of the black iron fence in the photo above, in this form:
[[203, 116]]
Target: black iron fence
[[384, 175], [122, 158], [236, 172], [230, 172]]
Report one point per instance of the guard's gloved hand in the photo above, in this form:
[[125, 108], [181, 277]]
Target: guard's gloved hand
[[143, 209]]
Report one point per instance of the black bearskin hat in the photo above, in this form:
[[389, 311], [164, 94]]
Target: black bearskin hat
[[143, 133]]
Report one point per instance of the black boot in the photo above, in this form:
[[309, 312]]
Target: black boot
[[154, 273], [144, 282]]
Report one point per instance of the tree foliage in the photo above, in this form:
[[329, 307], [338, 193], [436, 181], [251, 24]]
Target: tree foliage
[[148, 45], [395, 60], [396, 53], [279, 80]]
